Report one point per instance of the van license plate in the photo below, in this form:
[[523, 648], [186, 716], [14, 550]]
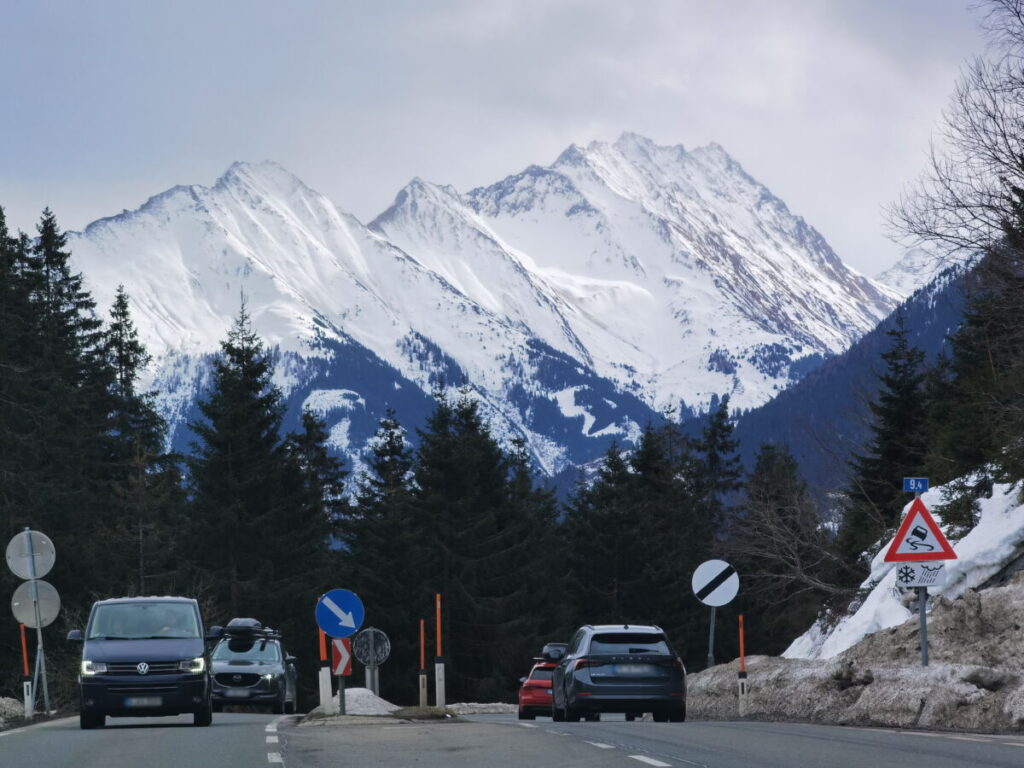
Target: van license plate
[[143, 701]]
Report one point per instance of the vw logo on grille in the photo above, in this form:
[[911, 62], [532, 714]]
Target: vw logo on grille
[[142, 668]]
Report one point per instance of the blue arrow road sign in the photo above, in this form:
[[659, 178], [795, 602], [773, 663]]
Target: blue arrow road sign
[[339, 613], [915, 484]]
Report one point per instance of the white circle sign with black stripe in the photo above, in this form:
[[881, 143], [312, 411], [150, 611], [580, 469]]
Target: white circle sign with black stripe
[[715, 583]]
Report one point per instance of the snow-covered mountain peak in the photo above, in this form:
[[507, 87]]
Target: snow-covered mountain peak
[[915, 269]]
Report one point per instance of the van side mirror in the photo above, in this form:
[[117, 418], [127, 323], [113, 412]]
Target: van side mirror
[[290, 659], [522, 680], [75, 636]]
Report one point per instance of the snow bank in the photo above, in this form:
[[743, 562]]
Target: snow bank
[[475, 708], [845, 692], [362, 701], [11, 709], [981, 554]]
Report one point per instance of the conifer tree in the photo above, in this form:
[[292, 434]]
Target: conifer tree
[[895, 449], [716, 471], [237, 471], [383, 555], [472, 545]]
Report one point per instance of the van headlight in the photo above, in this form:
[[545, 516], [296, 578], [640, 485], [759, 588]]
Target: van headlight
[[192, 666], [90, 668]]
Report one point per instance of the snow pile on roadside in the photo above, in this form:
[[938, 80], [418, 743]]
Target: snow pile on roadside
[[975, 681], [981, 554], [10, 709], [844, 692], [475, 708], [362, 701]]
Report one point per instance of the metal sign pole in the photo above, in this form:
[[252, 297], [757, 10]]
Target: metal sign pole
[[922, 609], [711, 639], [40, 655]]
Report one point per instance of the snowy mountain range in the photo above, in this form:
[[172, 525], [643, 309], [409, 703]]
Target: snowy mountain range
[[578, 300]]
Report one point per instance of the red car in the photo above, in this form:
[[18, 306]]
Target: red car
[[535, 691]]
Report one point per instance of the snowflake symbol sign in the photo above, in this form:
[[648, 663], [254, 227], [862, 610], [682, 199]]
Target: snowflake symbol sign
[[906, 574]]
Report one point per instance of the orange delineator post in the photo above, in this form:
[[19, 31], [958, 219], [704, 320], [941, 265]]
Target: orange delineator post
[[24, 652], [438, 603], [323, 646], [743, 660], [423, 644]]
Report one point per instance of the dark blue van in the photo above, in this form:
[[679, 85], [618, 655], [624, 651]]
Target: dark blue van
[[145, 656]]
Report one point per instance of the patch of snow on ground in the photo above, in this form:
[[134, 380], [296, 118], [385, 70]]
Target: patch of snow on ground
[[362, 701], [980, 555], [476, 708]]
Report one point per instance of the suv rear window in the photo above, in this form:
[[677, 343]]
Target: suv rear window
[[628, 642], [541, 674]]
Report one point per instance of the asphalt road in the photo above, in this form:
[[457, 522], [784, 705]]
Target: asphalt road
[[494, 741], [145, 742]]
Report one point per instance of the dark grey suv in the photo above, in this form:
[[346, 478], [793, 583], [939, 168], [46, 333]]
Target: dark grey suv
[[619, 668]]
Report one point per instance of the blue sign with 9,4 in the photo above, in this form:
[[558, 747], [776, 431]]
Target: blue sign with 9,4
[[339, 613], [915, 484]]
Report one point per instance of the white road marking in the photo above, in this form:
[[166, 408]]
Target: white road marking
[[1013, 743], [25, 728], [651, 761], [599, 745], [275, 757], [527, 725], [272, 739], [969, 738], [557, 733]]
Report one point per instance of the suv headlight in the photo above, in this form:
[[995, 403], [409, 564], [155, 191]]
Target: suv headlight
[[90, 668], [271, 675], [193, 666]]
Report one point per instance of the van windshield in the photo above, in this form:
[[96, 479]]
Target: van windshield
[[143, 621]]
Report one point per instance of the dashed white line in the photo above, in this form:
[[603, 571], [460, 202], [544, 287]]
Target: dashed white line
[[527, 725], [557, 733], [1012, 743], [651, 761], [274, 757], [968, 738], [272, 739], [600, 745]]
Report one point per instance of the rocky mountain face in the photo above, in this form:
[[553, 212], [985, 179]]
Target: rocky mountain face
[[577, 301]]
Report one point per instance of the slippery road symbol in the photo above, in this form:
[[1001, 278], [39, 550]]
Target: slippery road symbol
[[916, 539]]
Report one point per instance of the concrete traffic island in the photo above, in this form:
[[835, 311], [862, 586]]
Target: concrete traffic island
[[362, 706]]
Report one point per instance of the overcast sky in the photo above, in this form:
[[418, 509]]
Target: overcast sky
[[829, 104]]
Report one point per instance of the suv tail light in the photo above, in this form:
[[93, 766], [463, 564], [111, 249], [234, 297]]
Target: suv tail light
[[675, 663], [582, 663]]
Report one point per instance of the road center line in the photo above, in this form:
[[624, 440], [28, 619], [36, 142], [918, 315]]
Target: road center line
[[651, 761], [275, 757], [272, 740], [968, 738], [527, 725], [600, 745], [1012, 743]]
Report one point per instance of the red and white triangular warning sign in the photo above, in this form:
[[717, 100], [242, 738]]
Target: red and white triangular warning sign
[[919, 538]]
